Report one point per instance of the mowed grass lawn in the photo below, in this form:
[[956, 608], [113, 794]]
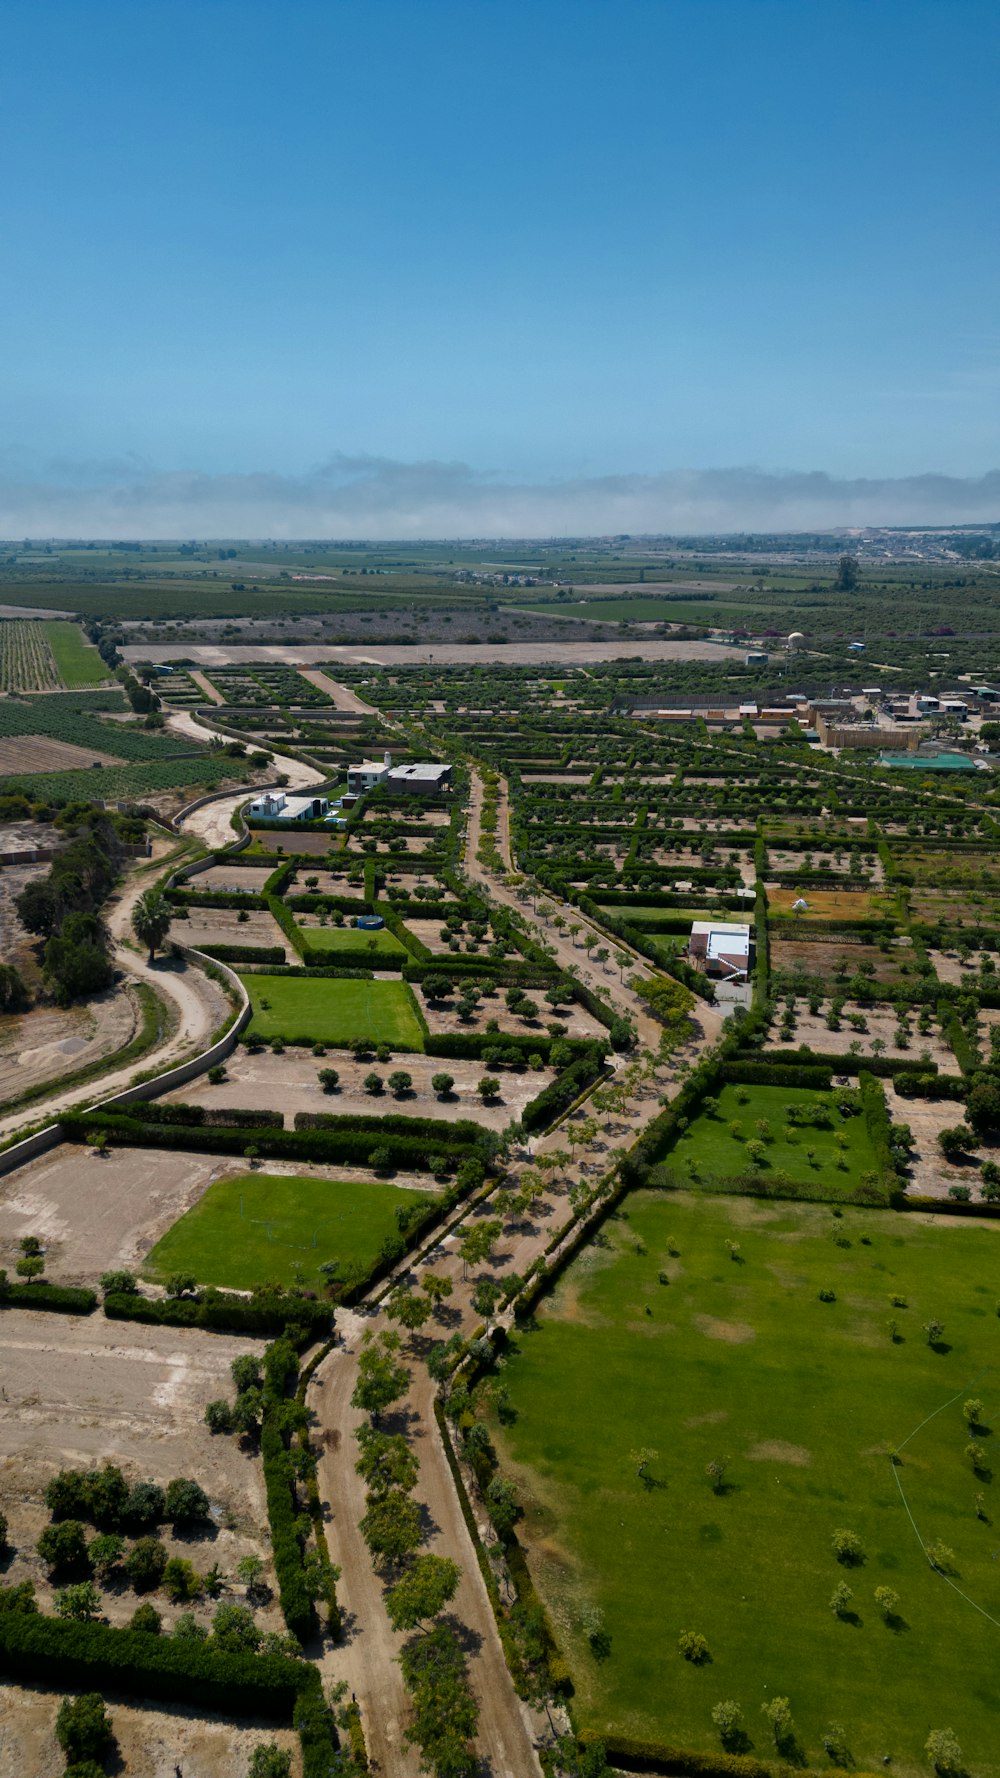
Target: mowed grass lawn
[[262, 1226], [379, 943], [740, 1359], [325, 1010], [78, 661], [710, 1146]]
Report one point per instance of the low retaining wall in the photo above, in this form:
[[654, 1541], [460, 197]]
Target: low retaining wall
[[195, 1065], [30, 1147]]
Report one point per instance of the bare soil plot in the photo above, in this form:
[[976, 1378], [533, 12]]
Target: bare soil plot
[[811, 1028], [955, 907], [154, 1740], [50, 1041], [949, 968], [328, 882], [83, 1391], [781, 860], [290, 842], [232, 879], [441, 1016], [429, 817], [429, 933], [822, 957], [930, 1174], [556, 777], [290, 1083], [414, 844], [228, 926], [17, 944], [97, 1212], [37, 753], [417, 882]]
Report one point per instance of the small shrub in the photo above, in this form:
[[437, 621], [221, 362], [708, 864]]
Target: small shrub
[[693, 1646]]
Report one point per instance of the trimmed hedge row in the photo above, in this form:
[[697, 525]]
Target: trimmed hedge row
[[58, 1299], [815, 1077], [561, 1092], [649, 1756], [281, 1374], [846, 1064], [349, 1143], [218, 1312], [222, 1117], [97, 1657], [468, 1046], [245, 953], [877, 1123]]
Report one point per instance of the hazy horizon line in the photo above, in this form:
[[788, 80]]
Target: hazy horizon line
[[378, 499]]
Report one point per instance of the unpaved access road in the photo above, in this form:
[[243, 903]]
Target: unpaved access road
[[447, 654]]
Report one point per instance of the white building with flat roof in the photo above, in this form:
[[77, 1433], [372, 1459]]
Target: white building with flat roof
[[721, 949]]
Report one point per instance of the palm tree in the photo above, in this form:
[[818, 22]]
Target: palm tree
[[151, 919]]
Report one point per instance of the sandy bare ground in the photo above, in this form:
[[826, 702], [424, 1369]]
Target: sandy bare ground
[[447, 654], [203, 682], [290, 1083], [154, 1740], [240, 879], [930, 1174], [97, 1212], [84, 1390], [51, 1041], [222, 926], [342, 695], [811, 1028]]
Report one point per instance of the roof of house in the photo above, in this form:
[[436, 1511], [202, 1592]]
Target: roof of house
[[424, 772], [730, 939]]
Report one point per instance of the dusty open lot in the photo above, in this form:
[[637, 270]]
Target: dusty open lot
[[293, 841], [514, 654], [16, 944], [429, 933], [811, 1028], [223, 926], [50, 1041], [154, 1740], [441, 1016], [291, 1082], [95, 1212], [930, 1174], [231, 879], [822, 957], [82, 1391]]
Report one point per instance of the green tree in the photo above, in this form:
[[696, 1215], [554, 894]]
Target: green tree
[[105, 1552], [63, 1546], [391, 1526], [386, 1462], [151, 919], [381, 1379], [146, 1619], [728, 1719], [234, 1629], [944, 1753], [847, 1547], [269, 1761], [185, 1502], [442, 1084], [778, 1712], [145, 1563], [887, 1600], [81, 1601], [840, 1598], [83, 1728], [428, 1586], [180, 1580]]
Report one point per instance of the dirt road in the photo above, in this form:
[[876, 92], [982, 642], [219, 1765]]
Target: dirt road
[[344, 698], [418, 654]]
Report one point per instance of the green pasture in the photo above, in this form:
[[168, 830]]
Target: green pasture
[[662, 1344], [261, 1226], [77, 659], [326, 1010], [710, 1146], [380, 943]]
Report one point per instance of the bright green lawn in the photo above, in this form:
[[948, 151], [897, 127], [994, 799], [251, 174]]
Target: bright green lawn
[[715, 1151], [326, 1010], [381, 943], [284, 1223], [742, 1360], [78, 661]]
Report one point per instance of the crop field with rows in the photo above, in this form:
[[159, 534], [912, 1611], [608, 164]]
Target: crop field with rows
[[26, 659]]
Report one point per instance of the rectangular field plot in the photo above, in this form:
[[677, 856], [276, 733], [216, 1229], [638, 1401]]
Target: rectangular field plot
[[291, 842], [806, 1399], [290, 1082], [258, 1226], [823, 958], [824, 904], [77, 660], [325, 1010], [715, 1145], [223, 926], [230, 879], [379, 944]]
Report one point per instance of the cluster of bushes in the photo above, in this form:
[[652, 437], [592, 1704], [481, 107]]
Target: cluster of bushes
[[226, 1117], [106, 1499], [58, 1299], [561, 1092], [269, 1311], [62, 907], [298, 1580], [245, 953]]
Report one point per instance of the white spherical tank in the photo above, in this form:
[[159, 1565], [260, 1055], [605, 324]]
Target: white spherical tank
[[796, 640]]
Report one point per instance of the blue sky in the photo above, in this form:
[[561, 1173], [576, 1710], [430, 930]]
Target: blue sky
[[552, 242]]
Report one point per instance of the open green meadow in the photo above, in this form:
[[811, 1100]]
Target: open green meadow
[[77, 659], [833, 1151], [270, 1226], [662, 1343], [381, 943], [324, 1009]]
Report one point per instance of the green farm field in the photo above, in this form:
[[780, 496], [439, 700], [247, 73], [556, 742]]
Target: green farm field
[[323, 1009], [711, 1147], [351, 938], [78, 661], [807, 1400], [261, 1226]]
